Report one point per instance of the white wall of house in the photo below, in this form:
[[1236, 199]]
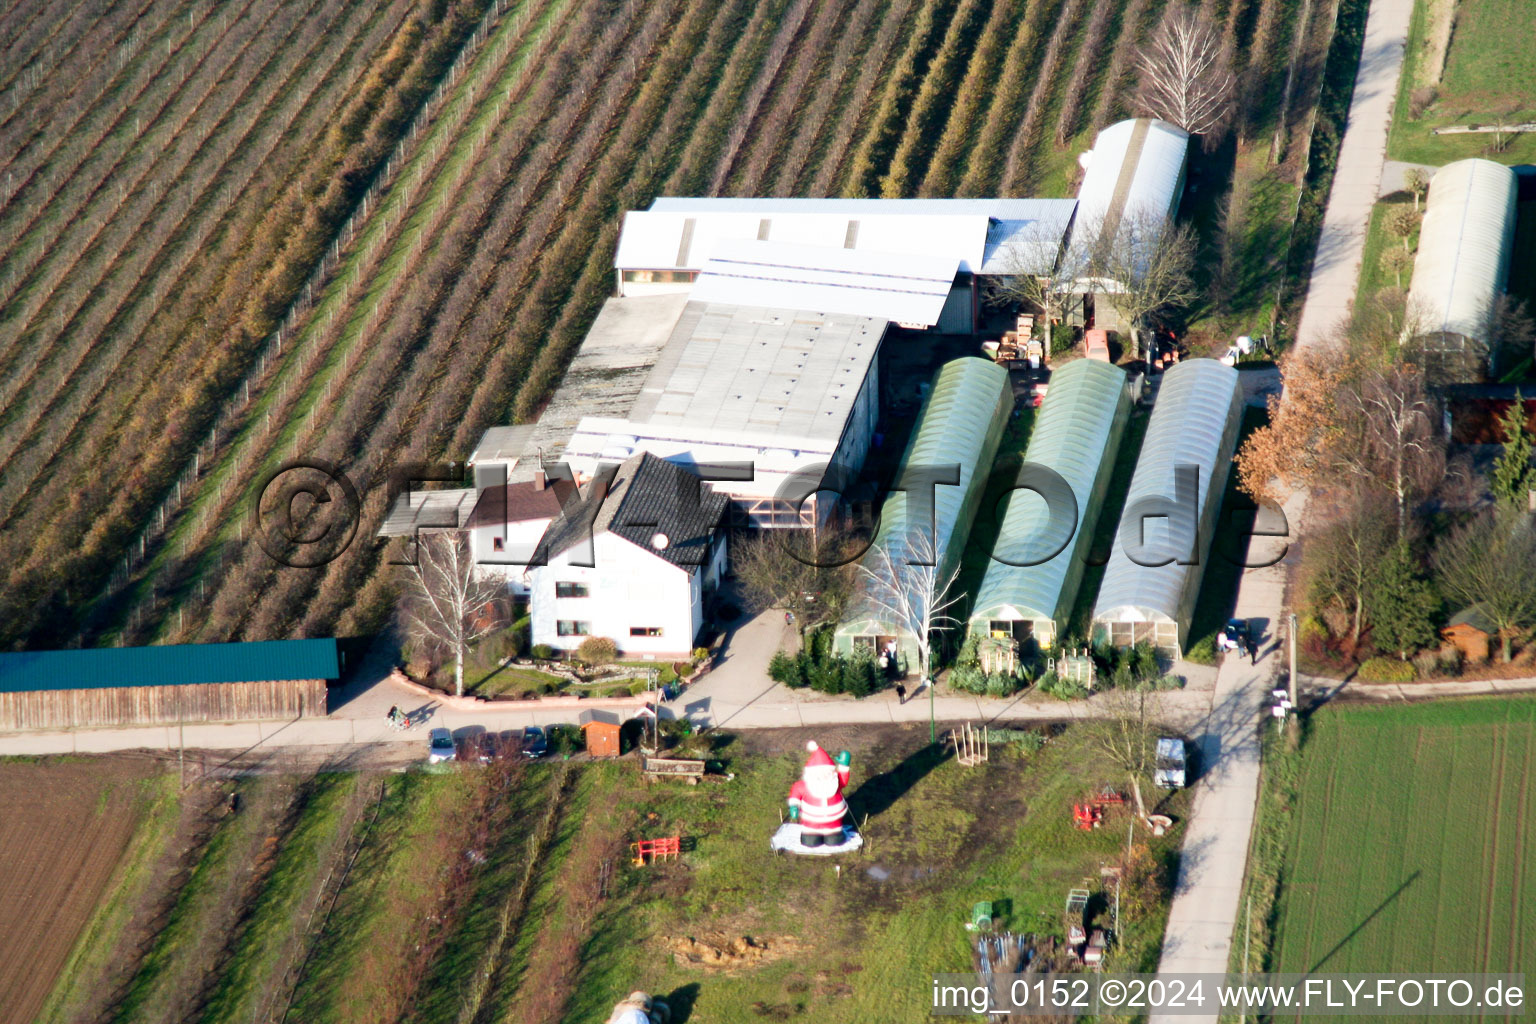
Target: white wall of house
[[628, 589], [510, 560]]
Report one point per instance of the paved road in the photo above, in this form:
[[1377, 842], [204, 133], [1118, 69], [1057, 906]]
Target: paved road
[[1215, 853], [1356, 182]]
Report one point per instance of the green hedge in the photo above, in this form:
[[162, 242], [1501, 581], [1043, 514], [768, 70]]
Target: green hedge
[[1387, 670]]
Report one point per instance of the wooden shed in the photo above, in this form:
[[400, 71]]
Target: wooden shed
[[107, 686], [1470, 630], [602, 732]]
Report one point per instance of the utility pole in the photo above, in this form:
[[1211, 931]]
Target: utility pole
[[1291, 638]]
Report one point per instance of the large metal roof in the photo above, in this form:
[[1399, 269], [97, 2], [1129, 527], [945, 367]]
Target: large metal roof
[[1464, 247], [1075, 435], [1134, 178], [683, 233], [168, 665], [1194, 423], [746, 376], [604, 379], [904, 288], [961, 423]]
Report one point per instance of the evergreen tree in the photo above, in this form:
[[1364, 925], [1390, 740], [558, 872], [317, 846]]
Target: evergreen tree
[[1513, 476], [1402, 603]]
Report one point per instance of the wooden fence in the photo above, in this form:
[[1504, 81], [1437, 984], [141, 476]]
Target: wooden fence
[[158, 705]]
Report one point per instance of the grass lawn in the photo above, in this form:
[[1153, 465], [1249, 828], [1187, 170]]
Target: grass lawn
[[1408, 840], [1487, 71], [856, 945], [1374, 274]]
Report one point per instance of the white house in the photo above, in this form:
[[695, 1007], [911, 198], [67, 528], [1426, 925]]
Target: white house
[[637, 559], [508, 522]]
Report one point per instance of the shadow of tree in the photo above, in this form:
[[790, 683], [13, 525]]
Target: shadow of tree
[[879, 792]]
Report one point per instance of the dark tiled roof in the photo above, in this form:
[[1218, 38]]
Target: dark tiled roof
[[524, 501], [645, 497], [587, 718], [1476, 618], [168, 665]]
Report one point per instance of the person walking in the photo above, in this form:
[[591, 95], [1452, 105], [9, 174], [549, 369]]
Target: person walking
[[901, 693]]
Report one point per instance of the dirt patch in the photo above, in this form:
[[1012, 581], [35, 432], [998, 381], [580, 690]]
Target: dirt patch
[[730, 952], [63, 828]]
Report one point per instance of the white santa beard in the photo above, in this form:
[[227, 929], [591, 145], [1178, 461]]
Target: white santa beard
[[821, 782]]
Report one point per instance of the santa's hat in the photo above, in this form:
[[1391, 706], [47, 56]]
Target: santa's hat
[[818, 758]]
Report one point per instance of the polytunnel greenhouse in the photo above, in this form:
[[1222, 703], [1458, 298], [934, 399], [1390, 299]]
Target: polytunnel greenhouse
[[961, 423], [1037, 562], [1194, 424], [1462, 265]]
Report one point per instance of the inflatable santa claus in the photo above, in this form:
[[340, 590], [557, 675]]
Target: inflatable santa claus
[[816, 801]]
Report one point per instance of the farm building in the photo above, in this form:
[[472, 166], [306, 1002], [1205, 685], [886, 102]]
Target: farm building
[[961, 424], [639, 568], [1132, 184], [1462, 265], [792, 395], [669, 246], [1032, 578], [1158, 559], [108, 686]]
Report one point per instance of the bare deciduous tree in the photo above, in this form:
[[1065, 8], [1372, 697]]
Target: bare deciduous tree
[[1340, 558], [1488, 563], [1401, 432], [906, 587], [1148, 266], [447, 598], [810, 574], [1042, 273], [1126, 734], [1186, 73]]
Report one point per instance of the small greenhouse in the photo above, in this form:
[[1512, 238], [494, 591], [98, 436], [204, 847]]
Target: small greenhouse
[[1164, 540], [961, 423], [1463, 264], [1037, 563]]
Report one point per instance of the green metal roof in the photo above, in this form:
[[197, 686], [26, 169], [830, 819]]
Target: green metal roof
[[1075, 435], [962, 422], [169, 665]]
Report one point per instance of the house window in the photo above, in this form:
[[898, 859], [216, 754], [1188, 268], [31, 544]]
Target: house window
[[571, 590], [498, 544], [645, 631], [571, 627]]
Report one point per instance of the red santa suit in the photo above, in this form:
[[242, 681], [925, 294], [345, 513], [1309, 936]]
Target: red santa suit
[[818, 798]]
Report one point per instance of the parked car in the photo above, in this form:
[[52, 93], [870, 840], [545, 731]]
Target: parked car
[[1171, 763], [487, 747], [440, 746], [534, 742]]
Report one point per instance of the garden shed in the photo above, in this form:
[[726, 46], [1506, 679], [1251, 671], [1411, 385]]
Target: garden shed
[[1032, 578], [1152, 595], [1470, 630], [1462, 265], [108, 686], [961, 425], [601, 729]]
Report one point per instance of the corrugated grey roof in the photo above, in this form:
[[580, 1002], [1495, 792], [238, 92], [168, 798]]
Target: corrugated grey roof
[[168, 665], [1464, 247], [1002, 208], [1195, 423], [606, 376], [429, 510], [1020, 243], [502, 444], [902, 288], [645, 497], [1075, 435], [762, 371]]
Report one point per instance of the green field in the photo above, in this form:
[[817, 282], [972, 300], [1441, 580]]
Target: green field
[[1488, 73], [1408, 841], [507, 893]]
